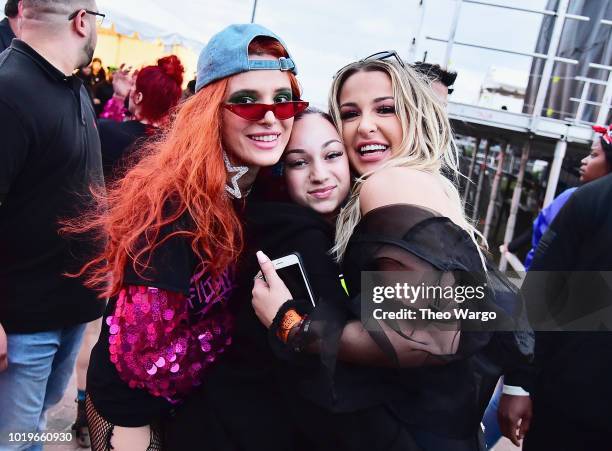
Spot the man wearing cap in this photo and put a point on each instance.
(49, 159)
(9, 25)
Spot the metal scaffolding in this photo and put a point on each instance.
(525, 129)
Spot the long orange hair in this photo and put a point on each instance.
(181, 171)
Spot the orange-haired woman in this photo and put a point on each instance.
(173, 235)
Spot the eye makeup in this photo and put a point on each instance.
(244, 96)
(283, 95)
(252, 96)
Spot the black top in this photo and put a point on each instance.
(117, 140)
(448, 399)
(573, 368)
(102, 90)
(253, 388)
(6, 34)
(278, 229)
(171, 267)
(174, 267)
(50, 156)
(251, 391)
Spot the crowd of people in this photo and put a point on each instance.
(138, 229)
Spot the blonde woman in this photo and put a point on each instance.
(404, 224)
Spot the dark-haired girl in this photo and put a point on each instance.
(423, 383)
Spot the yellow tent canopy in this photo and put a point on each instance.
(115, 49)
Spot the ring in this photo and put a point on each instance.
(259, 276)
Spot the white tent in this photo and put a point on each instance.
(322, 35)
(189, 23)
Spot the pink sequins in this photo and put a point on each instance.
(160, 362)
(159, 343)
(168, 314)
(206, 336)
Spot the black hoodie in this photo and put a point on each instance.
(251, 395)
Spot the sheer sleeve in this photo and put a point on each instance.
(426, 253)
(154, 345)
(389, 342)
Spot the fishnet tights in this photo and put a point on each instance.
(101, 431)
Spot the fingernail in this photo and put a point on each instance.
(261, 257)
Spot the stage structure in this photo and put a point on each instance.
(531, 131)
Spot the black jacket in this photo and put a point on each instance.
(6, 34)
(568, 280)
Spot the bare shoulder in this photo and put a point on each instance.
(401, 185)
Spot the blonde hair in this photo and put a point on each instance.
(427, 141)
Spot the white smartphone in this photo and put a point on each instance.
(291, 270)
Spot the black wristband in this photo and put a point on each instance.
(298, 340)
(292, 304)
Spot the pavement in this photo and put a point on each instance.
(61, 417)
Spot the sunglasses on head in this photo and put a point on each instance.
(378, 56)
(383, 56)
(257, 111)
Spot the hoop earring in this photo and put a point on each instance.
(234, 190)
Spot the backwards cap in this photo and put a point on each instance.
(227, 53)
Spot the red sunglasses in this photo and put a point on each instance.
(257, 111)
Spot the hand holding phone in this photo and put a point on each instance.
(270, 294)
(291, 271)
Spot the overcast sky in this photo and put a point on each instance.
(324, 35)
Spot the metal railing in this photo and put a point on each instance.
(550, 58)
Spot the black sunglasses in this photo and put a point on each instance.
(378, 56)
(99, 16)
(383, 56)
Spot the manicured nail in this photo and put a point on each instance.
(261, 257)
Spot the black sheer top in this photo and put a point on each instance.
(441, 274)
(440, 373)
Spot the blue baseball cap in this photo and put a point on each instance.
(227, 53)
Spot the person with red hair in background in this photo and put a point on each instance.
(153, 92)
(173, 233)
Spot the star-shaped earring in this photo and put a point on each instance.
(234, 190)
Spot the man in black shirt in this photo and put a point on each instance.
(8, 25)
(49, 158)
